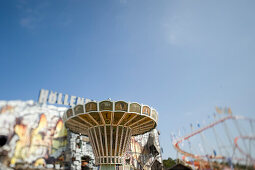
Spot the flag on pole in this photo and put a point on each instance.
(219, 110)
(229, 111)
(226, 110)
(214, 152)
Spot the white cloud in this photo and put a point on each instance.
(180, 31)
(188, 114)
(185, 27)
(32, 15)
(27, 22)
(123, 1)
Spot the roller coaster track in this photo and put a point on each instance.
(204, 158)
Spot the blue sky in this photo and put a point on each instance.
(181, 57)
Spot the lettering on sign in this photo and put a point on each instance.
(47, 96)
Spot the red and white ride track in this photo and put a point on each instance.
(204, 158)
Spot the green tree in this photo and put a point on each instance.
(168, 163)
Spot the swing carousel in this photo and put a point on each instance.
(109, 126)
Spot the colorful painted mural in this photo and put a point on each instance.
(42, 142)
(35, 134)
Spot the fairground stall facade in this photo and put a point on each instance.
(89, 134)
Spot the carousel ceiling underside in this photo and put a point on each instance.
(140, 118)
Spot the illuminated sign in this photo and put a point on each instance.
(47, 96)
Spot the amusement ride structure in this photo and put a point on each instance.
(227, 142)
(109, 126)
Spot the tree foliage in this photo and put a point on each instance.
(168, 163)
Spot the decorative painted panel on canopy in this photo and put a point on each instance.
(146, 110)
(91, 106)
(135, 107)
(154, 115)
(105, 105)
(121, 106)
(69, 113)
(78, 109)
